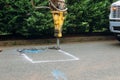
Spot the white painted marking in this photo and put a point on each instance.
(46, 61)
(26, 57)
(68, 54)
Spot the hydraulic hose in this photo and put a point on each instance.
(51, 3)
(63, 10)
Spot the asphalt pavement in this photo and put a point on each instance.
(95, 60)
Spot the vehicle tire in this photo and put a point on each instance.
(118, 37)
(0, 50)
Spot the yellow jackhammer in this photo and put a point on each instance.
(58, 10)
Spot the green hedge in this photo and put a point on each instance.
(18, 17)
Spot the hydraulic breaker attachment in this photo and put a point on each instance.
(58, 17)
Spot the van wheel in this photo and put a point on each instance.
(118, 37)
(0, 50)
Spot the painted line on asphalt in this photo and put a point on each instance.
(59, 75)
(26, 57)
(46, 61)
(66, 53)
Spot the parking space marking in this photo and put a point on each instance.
(46, 61)
(26, 57)
(66, 53)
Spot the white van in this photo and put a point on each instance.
(114, 18)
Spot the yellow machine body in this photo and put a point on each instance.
(58, 17)
(58, 10)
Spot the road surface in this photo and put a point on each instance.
(97, 60)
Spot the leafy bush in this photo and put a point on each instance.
(19, 17)
(13, 15)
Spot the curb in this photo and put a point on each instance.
(53, 40)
